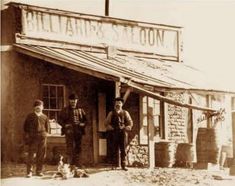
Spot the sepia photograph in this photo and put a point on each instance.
(117, 92)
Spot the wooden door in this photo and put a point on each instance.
(101, 131)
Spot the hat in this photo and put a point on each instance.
(119, 99)
(73, 96)
(37, 102)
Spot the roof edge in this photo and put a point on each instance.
(104, 17)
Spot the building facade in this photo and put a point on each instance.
(50, 54)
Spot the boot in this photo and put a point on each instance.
(124, 168)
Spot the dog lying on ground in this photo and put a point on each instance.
(65, 171)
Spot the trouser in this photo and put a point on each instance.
(73, 143)
(37, 145)
(119, 140)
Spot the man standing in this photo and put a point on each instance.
(118, 122)
(36, 127)
(73, 119)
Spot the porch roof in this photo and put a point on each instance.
(161, 75)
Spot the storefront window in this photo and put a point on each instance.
(53, 98)
(144, 121)
(150, 115)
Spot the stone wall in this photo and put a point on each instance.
(177, 119)
(137, 155)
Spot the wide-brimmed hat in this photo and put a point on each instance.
(119, 99)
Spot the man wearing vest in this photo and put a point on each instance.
(73, 119)
(118, 122)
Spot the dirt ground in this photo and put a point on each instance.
(14, 174)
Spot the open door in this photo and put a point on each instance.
(101, 130)
(151, 125)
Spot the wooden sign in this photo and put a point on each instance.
(101, 32)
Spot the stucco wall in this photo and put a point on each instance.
(21, 85)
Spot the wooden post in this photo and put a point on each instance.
(180, 46)
(95, 137)
(190, 123)
(232, 168)
(117, 89)
(151, 139)
(127, 93)
(106, 7)
(209, 119)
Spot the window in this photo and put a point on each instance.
(151, 113)
(144, 121)
(53, 98)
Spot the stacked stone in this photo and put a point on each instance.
(137, 155)
(177, 118)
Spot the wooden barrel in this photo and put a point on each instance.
(228, 149)
(184, 154)
(201, 145)
(164, 154)
(214, 145)
(208, 145)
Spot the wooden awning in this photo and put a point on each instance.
(133, 72)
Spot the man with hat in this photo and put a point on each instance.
(36, 127)
(73, 119)
(118, 122)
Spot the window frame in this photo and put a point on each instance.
(142, 115)
(56, 97)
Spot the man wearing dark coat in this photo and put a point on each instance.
(73, 121)
(36, 127)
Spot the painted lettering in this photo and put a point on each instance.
(100, 33)
(132, 35)
(51, 24)
(125, 34)
(60, 23)
(38, 22)
(87, 27)
(69, 28)
(151, 38)
(78, 27)
(30, 22)
(160, 37)
(143, 36)
(85, 30)
(115, 35)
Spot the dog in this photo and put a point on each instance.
(63, 170)
(80, 173)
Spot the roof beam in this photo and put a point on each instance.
(170, 101)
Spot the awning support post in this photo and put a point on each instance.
(209, 119)
(117, 89)
(151, 139)
(232, 168)
(127, 93)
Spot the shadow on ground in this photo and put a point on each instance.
(19, 170)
